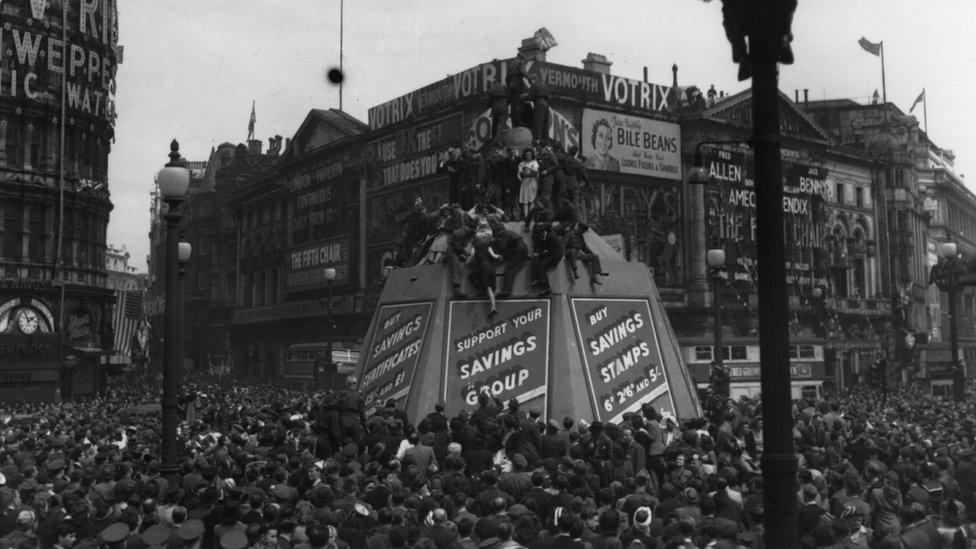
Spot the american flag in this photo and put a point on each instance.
(130, 315)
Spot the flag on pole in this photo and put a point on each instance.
(250, 123)
(869, 46)
(128, 319)
(544, 39)
(919, 99)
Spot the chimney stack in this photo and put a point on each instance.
(796, 95)
(254, 146)
(531, 51)
(806, 96)
(597, 63)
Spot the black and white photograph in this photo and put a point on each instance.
(364, 274)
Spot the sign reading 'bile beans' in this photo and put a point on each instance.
(622, 356)
(507, 355)
(393, 353)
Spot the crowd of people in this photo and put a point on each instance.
(261, 466)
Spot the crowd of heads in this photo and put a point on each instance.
(263, 466)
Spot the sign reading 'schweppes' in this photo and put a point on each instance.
(392, 355)
(622, 356)
(508, 355)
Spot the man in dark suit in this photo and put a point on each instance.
(564, 539)
(436, 530)
(514, 251)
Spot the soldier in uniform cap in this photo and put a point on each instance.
(190, 533)
(114, 535)
(156, 535)
(235, 539)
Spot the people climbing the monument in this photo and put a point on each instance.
(518, 93)
(539, 95)
(483, 262)
(498, 100)
(549, 172)
(575, 180)
(514, 254)
(578, 250)
(548, 247)
(528, 171)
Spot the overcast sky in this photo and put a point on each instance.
(192, 68)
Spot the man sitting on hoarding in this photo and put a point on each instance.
(514, 252)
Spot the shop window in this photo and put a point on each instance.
(12, 145)
(37, 241)
(12, 221)
(736, 352)
(703, 352)
(802, 351)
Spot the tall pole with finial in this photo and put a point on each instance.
(342, 4)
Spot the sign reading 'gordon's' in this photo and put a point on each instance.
(393, 353)
(507, 355)
(622, 356)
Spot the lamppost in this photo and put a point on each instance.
(759, 32)
(173, 181)
(183, 255)
(947, 275)
(718, 377)
(330, 378)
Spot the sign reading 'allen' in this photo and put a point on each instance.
(507, 357)
(393, 353)
(622, 356)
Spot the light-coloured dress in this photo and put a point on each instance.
(530, 184)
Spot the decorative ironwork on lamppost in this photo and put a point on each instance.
(172, 181)
(326, 377)
(184, 251)
(950, 275)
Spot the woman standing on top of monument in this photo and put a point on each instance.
(528, 171)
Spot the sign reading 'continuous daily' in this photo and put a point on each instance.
(621, 355)
(507, 356)
(392, 355)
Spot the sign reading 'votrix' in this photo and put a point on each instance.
(622, 356)
(393, 353)
(507, 356)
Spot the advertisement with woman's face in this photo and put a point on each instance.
(616, 142)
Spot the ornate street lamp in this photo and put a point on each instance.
(328, 375)
(172, 181)
(948, 276)
(716, 261)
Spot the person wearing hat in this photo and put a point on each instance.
(114, 535)
(158, 535)
(352, 412)
(553, 444)
(234, 539)
(516, 482)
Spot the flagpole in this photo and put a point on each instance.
(884, 89)
(341, 10)
(925, 110)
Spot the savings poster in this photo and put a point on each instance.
(393, 353)
(621, 355)
(507, 355)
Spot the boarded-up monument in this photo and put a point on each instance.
(593, 352)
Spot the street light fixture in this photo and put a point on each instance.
(946, 275)
(716, 261)
(330, 370)
(172, 181)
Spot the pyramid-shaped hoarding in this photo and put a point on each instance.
(585, 352)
